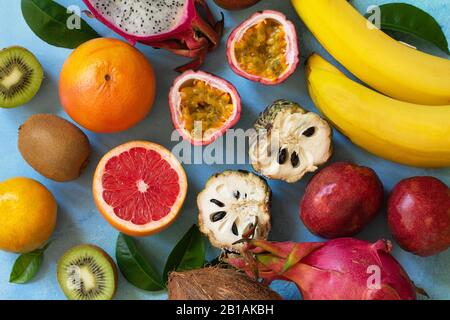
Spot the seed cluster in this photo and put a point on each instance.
(283, 153)
(262, 49)
(78, 283)
(205, 104)
(142, 17)
(219, 215)
(21, 86)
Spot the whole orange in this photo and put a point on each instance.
(28, 214)
(106, 85)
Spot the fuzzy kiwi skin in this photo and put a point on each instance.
(235, 4)
(217, 284)
(54, 147)
(99, 250)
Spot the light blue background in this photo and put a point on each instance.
(79, 220)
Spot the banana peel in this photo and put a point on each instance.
(385, 64)
(406, 133)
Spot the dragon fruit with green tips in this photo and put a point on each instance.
(185, 27)
(340, 269)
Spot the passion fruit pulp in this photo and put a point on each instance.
(203, 106)
(264, 48)
(202, 103)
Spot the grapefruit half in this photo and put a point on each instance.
(139, 188)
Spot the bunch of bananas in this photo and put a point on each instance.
(409, 120)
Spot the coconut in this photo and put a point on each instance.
(217, 284)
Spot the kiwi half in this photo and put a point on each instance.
(21, 76)
(86, 272)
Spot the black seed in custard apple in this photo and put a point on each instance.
(21, 76)
(54, 147)
(86, 272)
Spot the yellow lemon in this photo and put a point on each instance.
(27, 215)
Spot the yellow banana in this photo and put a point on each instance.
(411, 134)
(377, 59)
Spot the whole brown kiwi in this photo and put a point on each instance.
(217, 284)
(235, 4)
(54, 147)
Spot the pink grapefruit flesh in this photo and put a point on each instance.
(139, 188)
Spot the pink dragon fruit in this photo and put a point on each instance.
(175, 25)
(340, 269)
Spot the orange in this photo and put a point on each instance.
(139, 188)
(106, 85)
(27, 214)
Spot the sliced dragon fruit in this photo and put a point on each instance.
(203, 106)
(174, 25)
(264, 48)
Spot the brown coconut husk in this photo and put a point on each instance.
(217, 284)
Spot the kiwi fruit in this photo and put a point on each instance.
(21, 76)
(86, 272)
(54, 147)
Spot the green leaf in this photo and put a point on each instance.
(49, 21)
(135, 267)
(27, 266)
(408, 19)
(188, 254)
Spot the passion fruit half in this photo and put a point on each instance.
(203, 106)
(264, 48)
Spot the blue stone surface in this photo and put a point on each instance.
(80, 222)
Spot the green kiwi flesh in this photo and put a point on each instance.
(86, 272)
(21, 76)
